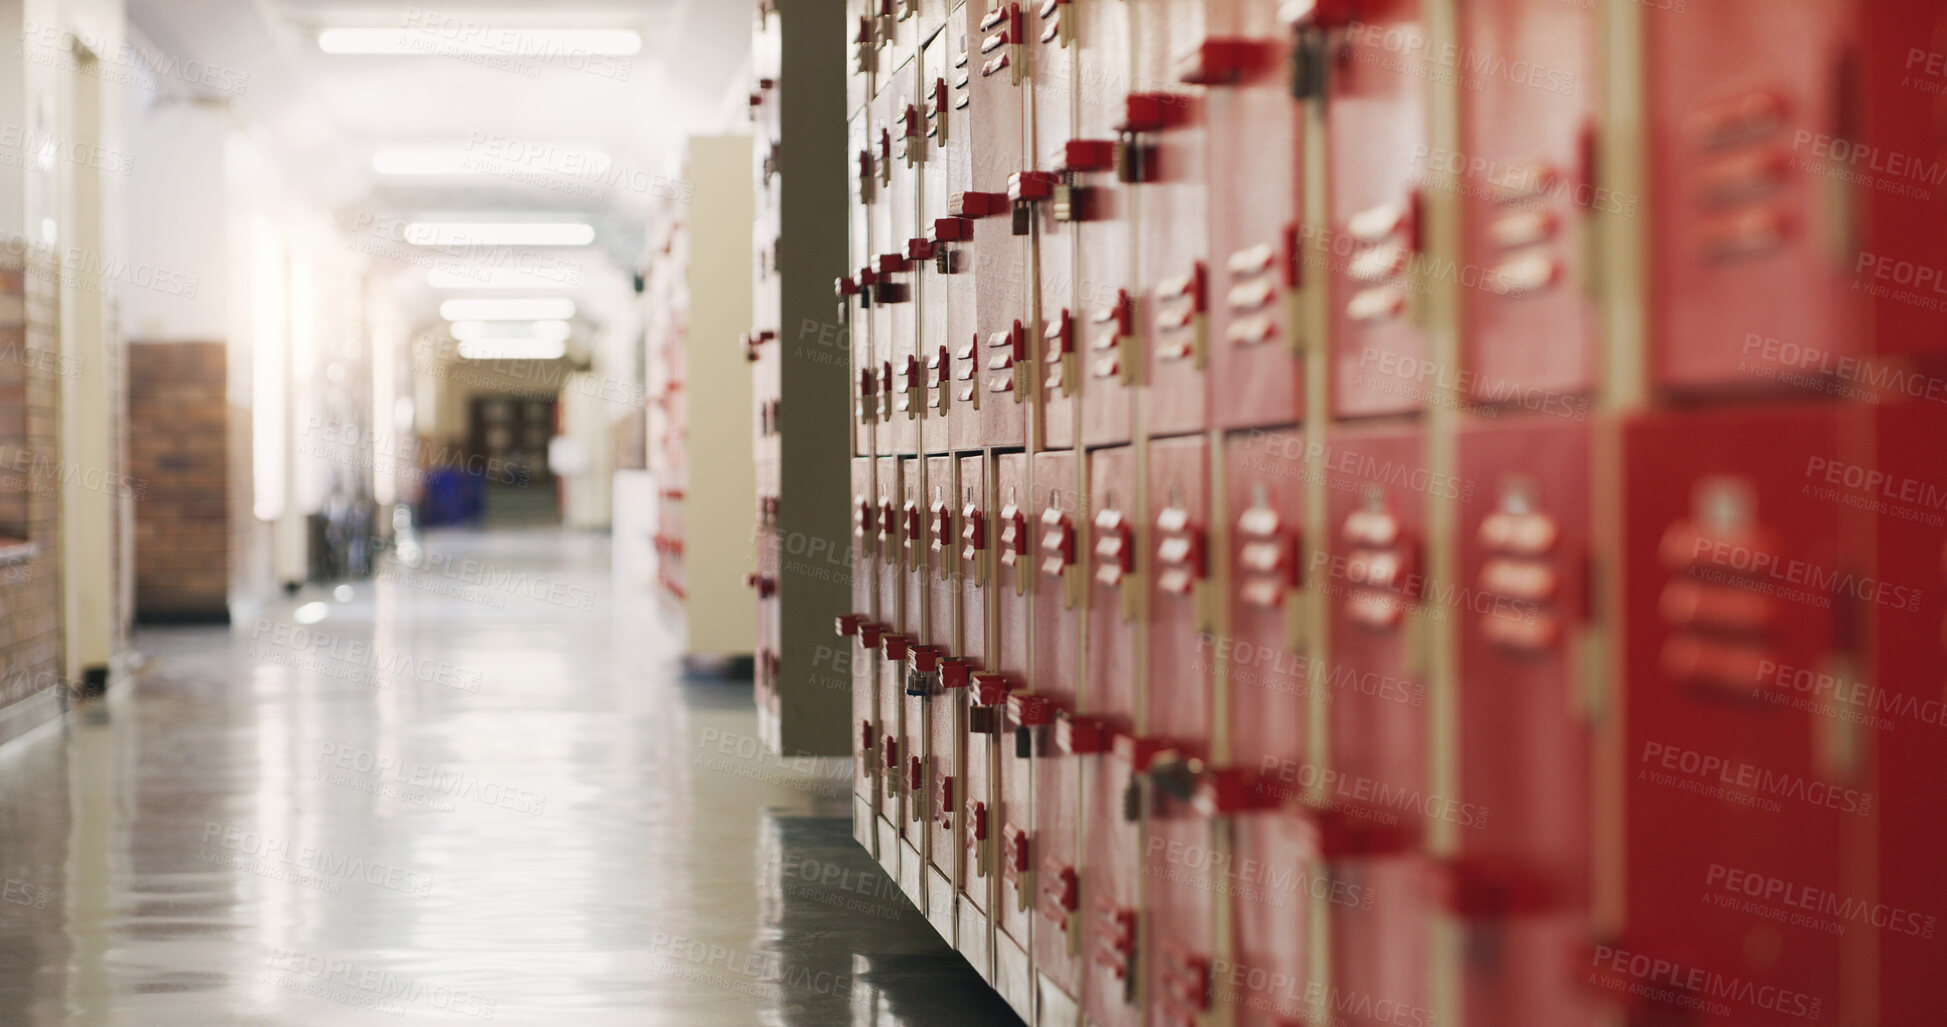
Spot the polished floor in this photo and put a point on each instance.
(476, 791)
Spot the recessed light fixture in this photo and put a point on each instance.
(513, 349)
(479, 331)
(540, 44)
(507, 310)
(500, 233)
(560, 160)
(493, 278)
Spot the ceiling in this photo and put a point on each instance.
(328, 114)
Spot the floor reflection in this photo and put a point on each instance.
(476, 790)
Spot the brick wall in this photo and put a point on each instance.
(182, 523)
(30, 375)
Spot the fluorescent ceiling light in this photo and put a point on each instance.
(500, 233)
(480, 331)
(560, 160)
(507, 310)
(513, 349)
(492, 278)
(539, 44)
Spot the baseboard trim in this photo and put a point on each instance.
(36, 711)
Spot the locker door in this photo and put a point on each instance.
(996, 375)
(1901, 112)
(860, 627)
(1520, 882)
(1112, 835)
(1270, 678)
(941, 676)
(1906, 666)
(1255, 123)
(901, 137)
(1016, 519)
(1177, 949)
(1173, 51)
(1375, 130)
(1528, 316)
(764, 581)
(862, 22)
(904, 686)
(950, 277)
(898, 36)
(1102, 170)
(1743, 245)
(854, 288)
(893, 638)
(1733, 565)
(1048, 195)
(1059, 527)
(1369, 810)
(982, 735)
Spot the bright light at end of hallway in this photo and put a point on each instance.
(513, 349)
(445, 40)
(511, 233)
(562, 160)
(310, 613)
(507, 310)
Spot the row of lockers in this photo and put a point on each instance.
(1058, 205)
(1404, 511)
(1210, 755)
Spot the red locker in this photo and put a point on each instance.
(1059, 525)
(1907, 670)
(1375, 131)
(986, 710)
(1174, 60)
(994, 369)
(1904, 50)
(1519, 883)
(1101, 343)
(894, 299)
(1254, 121)
(1374, 798)
(1026, 717)
(1048, 195)
(1735, 582)
(1746, 243)
(1110, 752)
(1527, 193)
(1178, 950)
(1270, 678)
